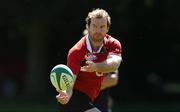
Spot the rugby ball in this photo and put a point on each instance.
(61, 77)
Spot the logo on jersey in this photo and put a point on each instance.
(91, 57)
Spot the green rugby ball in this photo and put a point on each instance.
(61, 77)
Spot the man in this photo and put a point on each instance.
(92, 56)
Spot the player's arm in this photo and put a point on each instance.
(111, 64)
(110, 80)
(73, 62)
(64, 96)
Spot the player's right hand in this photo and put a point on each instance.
(64, 96)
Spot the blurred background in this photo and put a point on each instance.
(35, 35)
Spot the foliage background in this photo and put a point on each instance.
(35, 35)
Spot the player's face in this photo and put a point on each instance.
(98, 29)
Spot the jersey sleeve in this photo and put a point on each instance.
(115, 48)
(74, 61)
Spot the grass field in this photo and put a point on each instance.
(147, 107)
(51, 106)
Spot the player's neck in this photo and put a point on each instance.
(96, 45)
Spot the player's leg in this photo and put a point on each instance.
(93, 110)
(101, 101)
(110, 103)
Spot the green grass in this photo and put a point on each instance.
(147, 107)
(27, 107)
(51, 106)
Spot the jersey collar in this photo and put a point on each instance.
(88, 45)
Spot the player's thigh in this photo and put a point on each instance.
(93, 110)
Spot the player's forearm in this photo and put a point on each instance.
(109, 82)
(111, 64)
(70, 90)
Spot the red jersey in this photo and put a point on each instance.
(89, 82)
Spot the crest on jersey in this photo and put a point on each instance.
(91, 57)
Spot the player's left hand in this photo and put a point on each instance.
(89, 67)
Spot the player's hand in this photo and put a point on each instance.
(64, 96)
(89, 67)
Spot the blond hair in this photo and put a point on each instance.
(98, 13)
